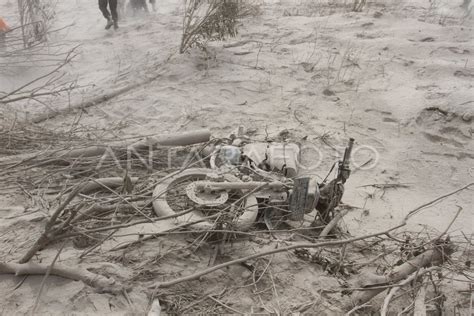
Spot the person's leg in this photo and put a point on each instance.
(105, 13)
(103, 9)
(113, 9)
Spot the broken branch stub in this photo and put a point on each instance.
(179, 139)
(99, 282)
(435, 256)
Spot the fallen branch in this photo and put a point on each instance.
(50, 233)
(419, 305)
(96, 210)
(329, 227)
(267, 253)
(391, 293)
(178, 139)
(97, 99)
(426, 258)
(119, 226)
(34, 95)
(99, 282)
(113, 182)
(88, 103)
(430, 257)
(386, 185)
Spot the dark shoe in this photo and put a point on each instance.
(115, 25)
(109, 24)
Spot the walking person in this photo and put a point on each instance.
(112, 16)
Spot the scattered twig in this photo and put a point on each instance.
(233, 310)
(69, 57)
(386, 185)
(267, 253)
(416, 210)
(49, 233)
(450, 224)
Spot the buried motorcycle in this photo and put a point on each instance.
(249, 183)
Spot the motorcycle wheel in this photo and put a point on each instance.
(170, 197)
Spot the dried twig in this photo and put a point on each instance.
(416, 210)
(233, 310)
(50, 233)
(386, 185)
(19, 92)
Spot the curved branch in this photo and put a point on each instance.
(96, 281)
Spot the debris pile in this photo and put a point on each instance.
(118, 200)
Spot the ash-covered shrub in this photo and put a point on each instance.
(212, 20)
